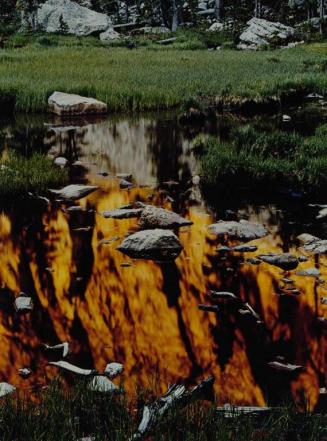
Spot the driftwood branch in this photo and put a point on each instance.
(177, 396)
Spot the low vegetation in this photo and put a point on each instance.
(152, 77)
(58, 415)
(253, 157)
(19, 175)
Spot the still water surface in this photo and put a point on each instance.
(141, 313)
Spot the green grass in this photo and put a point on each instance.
(19, 175)
(152, 77)
(278, 158)
(60, 415)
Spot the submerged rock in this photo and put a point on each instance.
(242, 230)
(153, 217)
(152, 244)
(313, 244)
(6, 389)
(67, 104)
(285, 261)
(245, 248)
(53, 15)
(74, 192)
(262, 32)
(309, 272)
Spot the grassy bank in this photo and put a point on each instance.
(154, 77)
(278, 159)
(61, 416)
(19, 175)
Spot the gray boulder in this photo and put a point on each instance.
(74, 191)
(53, 15)
(242, 230)
(152, 244)
(262, 32)
(67, 104)
(285, 261)
(153, 217)
(313, 244)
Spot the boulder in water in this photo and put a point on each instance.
(155, 244)
(154, 217)
(242, 230)
(286, 261)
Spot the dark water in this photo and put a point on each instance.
(143, 313)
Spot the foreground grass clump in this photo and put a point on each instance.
(154, 77)
(19, 175)
(279, 158)
(60, 415)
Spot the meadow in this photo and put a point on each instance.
(271, 159)
(152, 76)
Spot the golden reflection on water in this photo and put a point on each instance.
(146, 315)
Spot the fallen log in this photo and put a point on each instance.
(177, 396)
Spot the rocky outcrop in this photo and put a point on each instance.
(65, 16)
(242, 230)
(152, 244)
(153, 217)
(285, 261)
(67, 104)
(261, 32)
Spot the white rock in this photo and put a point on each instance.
(60, 161)
(77, 20)
(242, 230)
(286, 118)
(24, 372)
(23, 303)
(113, 369)
(313, 244)
(6, 388)
(308, 272)
(109, 35)
(62, 347)
(216, 27)
(67, 104)
(262, 32)
(74, 191)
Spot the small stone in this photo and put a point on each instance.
(309, 272)
(23, 303)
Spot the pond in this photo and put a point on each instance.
(143, 313)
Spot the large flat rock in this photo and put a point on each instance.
(67, 104)
(262, 32)
(154, 217)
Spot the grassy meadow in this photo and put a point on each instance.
(152, 76)
(253, 157)
(61, 415)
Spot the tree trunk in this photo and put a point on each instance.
(257, 8)
(175, 16)
(219, 7)
(321, 14)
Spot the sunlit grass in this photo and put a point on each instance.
(145, 78)
(19, 175)
(278, 158)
